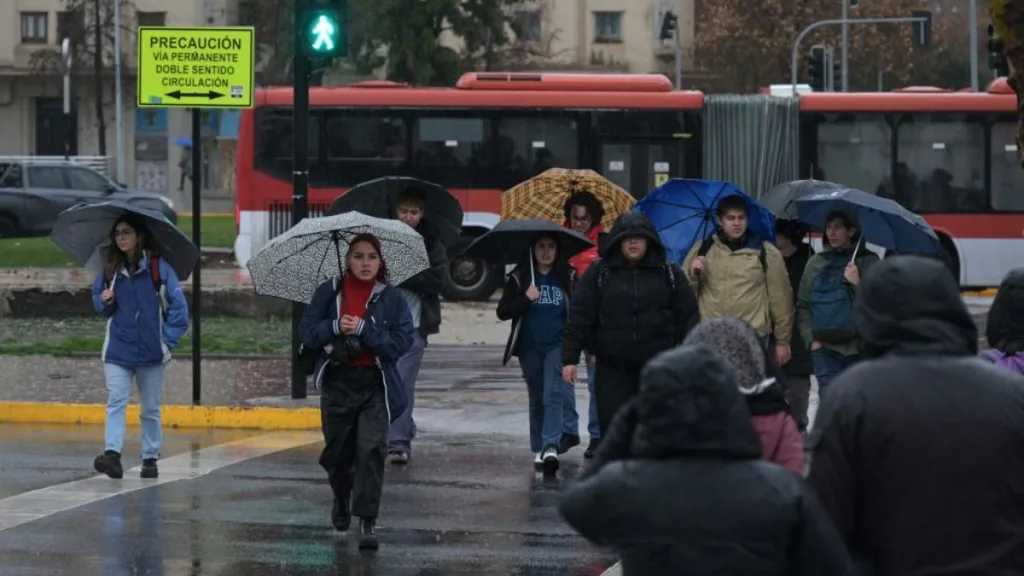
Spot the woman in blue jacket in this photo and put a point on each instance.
(361, 327)
(536, 299)
(147, 315)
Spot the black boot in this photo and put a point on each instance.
(368, 534)
(591, 448)
(109, 463)
(341, 516)
(149, 469)
(568, 442)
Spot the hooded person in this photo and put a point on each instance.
(627, 308)
(1005, 327)
(678, 485)
(739, 345)
(918, 450)
(824, 302)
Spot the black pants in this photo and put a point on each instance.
(354, 418)
(798, 394)
(613, 387)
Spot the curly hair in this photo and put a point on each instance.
(586, 199)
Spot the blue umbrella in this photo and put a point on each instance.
(183, 141)
(881, 221)
(683, 213)
(83, 228)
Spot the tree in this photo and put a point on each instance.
(89, 25)
(275, 37)
(752, 48)
(1008, 21)
(408, 38)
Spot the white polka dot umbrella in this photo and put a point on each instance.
(292, 265)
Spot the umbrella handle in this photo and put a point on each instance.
(533, 280)
(113, 281)
(855, 250)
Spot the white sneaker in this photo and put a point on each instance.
(538, 462)
(549, 460)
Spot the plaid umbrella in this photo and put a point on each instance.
(543, 196)
(295, 263)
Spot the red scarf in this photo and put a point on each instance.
(584, 259)
(354, 297)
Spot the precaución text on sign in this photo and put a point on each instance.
(196, 67)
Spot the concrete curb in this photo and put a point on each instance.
(229, 417)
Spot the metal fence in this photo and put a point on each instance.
(280, 214)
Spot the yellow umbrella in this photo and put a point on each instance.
(543, 196)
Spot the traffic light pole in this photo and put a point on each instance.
(794, 64)
(300, 177)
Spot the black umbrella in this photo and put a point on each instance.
(379, 198)
(83, 228)
(781, 198)
(511, 240)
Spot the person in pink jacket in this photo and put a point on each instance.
(736, 342)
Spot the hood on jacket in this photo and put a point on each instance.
(689, 405)
(857, 238)
(634, 224)
(736, 342)
(911, 306)
(1005, 329)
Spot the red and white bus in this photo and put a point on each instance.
(950, 156)
(490, 132)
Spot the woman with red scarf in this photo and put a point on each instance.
(584, 213)
(362, 327)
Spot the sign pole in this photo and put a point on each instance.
(197, 239)
(300, 180)
(66, 60)
(196, 68)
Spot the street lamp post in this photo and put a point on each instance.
(65, 60)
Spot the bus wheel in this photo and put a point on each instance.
(949, 256)
(469, 279)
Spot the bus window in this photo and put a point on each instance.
(855, 151)
(454, 151)
(1007, 177)
(273, 149)
(531, 145)
(362, 145)
(942, 158)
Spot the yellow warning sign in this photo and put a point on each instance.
(660, 179)
(196, 67)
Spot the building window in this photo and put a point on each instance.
(70, 25)
(608, 27)
(151, 18)
(528, 25)
(33, 27)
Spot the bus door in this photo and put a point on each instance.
(641, 150)
(640, 165)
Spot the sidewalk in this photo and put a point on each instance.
(64, 278)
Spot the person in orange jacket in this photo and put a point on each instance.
(584, 213)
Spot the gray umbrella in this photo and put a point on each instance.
(292, 265)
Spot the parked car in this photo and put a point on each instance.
(32, 194)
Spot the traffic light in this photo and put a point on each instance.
(324, 29)
(815, 65)
(669, 23)
(996, 57)
(837, 75)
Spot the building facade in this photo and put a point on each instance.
(32, 116)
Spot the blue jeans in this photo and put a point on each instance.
(828, 365)
(542, 371)
(150, 380)
(403, 429)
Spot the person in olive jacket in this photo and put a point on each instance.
(627, 307)
(678, 485)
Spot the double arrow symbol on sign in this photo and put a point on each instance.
(178, 95)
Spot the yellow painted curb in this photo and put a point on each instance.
(259, 418)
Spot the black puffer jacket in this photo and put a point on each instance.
(918, 451)
(1005, 326)
(800, 363)
(429, 284)
(677, 485)
(639, 311)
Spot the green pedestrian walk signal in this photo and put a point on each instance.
(325, 29)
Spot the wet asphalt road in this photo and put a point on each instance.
(468, 504)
